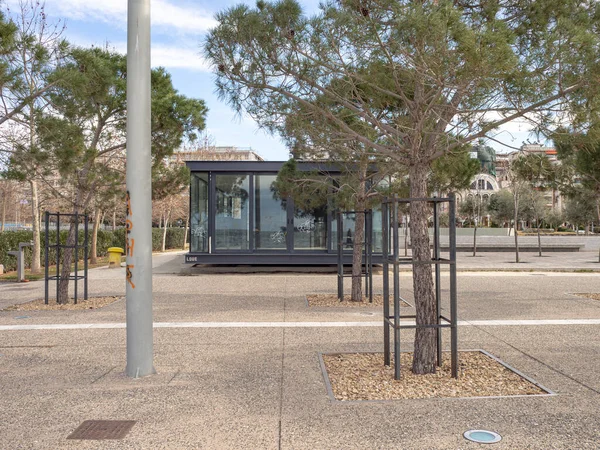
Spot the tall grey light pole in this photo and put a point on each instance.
(139, 201)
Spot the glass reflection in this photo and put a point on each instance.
(232, 220)
(199, 213)
(310, 229)
(270, 216)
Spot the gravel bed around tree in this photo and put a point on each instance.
(362, 376)
(39, 305)
(593, 296)
(331, 300)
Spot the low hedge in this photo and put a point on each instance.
(174, 238)
(9, 241)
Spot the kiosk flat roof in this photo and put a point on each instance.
(257, 166)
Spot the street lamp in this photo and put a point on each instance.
(140, 347)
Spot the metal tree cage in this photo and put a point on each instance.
(391, 256)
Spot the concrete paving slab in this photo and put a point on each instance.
(263, 387)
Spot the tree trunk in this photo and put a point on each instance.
(425, 338)
(35, 210)
(3, 213)
(187, 228)
(114, 224)
(65, 272)
(357, 256)
(94, 249)
(539, 238)
(475, 240)
(164, 239)
(406, 236)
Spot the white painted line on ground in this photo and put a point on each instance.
(115, 325)
(492, 323)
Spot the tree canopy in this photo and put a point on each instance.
(459, 69)
(422, 78)
(83, 137)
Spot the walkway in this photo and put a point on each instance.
(237, 364)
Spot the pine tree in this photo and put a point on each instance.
(437, 75)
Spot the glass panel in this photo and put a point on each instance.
(232, 224)
(199, 213)
(377, 230)
(270, 216)
(349, 222)
(310, 229)
(349, 228)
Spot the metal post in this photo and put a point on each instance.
(139, 188)
(85, 258)
(385, 215)
(340, 255)
(46, 260)
(57, 253)
(438, 289)
(370, 255)
(76, 255)
(453, 311)
(366, 252)
(396, 290)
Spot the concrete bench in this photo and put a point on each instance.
(20, 255)
(550, 248)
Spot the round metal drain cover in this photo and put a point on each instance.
(482, 436)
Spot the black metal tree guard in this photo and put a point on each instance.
(367, 254)
(58, 246)
(390, 209)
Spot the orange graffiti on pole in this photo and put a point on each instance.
(128, 200)
(129, 242)
(130, 275)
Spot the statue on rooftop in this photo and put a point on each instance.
(487, 158)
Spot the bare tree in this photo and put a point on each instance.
(38, 50)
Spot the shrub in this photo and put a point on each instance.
(9, 241)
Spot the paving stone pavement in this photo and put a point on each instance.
(262, 388)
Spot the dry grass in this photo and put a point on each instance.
(331, 300)
(39, 305)
(362, 376)
(593, 296)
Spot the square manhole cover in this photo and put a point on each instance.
(102, 429)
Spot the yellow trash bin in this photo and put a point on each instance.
(114, 257)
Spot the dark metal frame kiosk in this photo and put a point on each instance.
(235, 218)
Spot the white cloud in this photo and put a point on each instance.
(178, 57)
(183, 18)
(164, 55)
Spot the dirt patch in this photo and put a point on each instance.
(589, 295)
(362, 376)
(331, 300)
(39, 305)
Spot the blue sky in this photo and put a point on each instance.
(178, 30)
